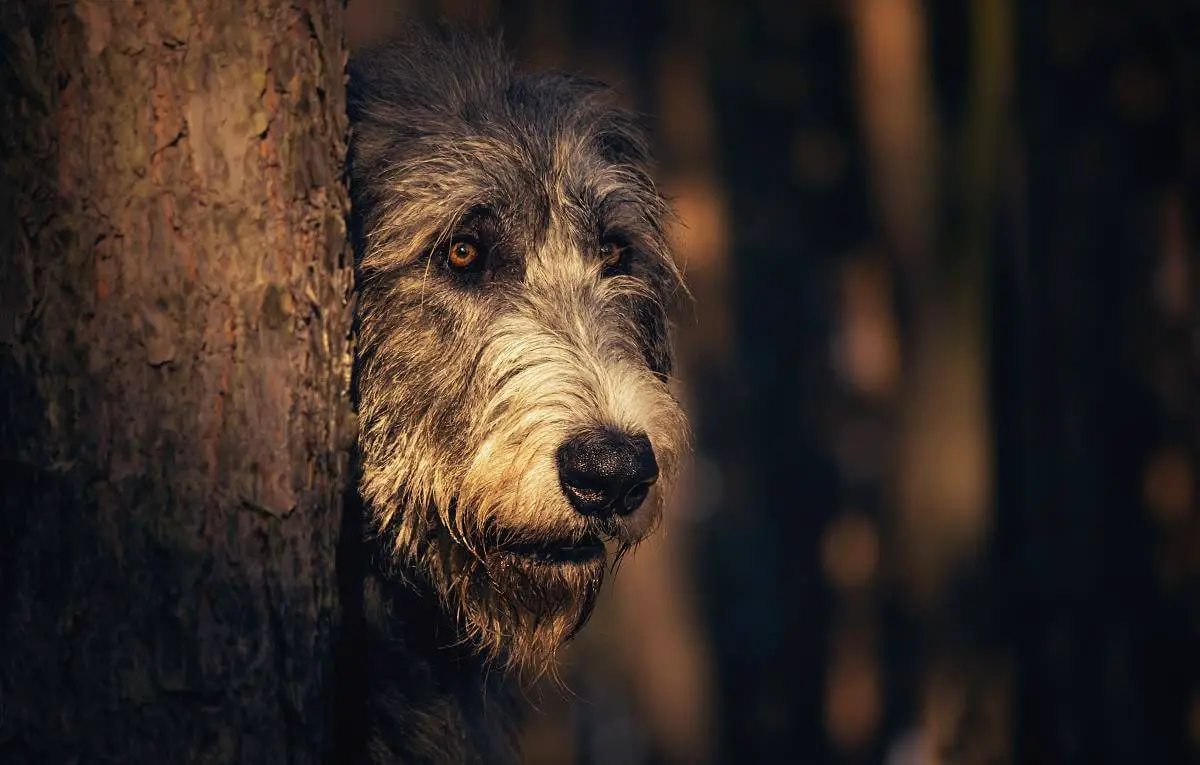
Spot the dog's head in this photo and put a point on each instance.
(514, 348)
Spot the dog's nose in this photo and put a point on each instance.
(604, 473)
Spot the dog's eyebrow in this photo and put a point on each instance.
(603, 200)
(478, 212)
(620, 213)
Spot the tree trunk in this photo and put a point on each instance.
(174, 369)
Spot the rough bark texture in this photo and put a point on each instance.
(173, 378)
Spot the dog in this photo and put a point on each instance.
(518, 434)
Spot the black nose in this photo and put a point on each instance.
(605, 473)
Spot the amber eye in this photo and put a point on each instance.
(463, 254)
(612, 256)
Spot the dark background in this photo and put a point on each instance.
(942, 365)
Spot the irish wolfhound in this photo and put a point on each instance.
(514, 351)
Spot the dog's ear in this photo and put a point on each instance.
(618, 133)
(622, 140)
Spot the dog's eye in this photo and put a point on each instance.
(612, 258)
(464, 255)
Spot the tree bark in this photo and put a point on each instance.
(174, 374)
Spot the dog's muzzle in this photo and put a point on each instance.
(605, 474)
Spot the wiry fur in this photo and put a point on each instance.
(469, 384)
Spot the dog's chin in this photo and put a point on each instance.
(530, 598)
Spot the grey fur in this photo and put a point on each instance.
(467, 383)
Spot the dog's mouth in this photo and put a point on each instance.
(586, 550)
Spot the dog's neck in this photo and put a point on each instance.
(433, 698)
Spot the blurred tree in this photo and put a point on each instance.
(174, 372)
(1088, 392)
(798, 670)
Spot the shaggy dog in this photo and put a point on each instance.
(517, 430)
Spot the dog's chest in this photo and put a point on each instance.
(430, 702)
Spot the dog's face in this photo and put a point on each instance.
(514, 345)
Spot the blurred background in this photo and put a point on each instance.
(942, 366)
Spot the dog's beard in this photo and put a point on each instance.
(515, 608)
